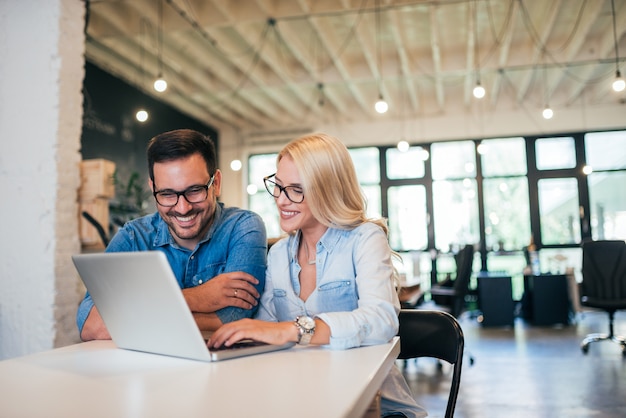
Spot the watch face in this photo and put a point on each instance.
(306, 322)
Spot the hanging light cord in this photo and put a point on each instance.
(615, 37)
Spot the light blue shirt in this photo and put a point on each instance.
(236, 241)
(355, 293)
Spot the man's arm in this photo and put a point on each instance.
(94, 328)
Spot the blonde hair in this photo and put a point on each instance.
(330, 183)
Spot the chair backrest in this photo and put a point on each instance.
(604, 270)
(464, 261)
(435, 334)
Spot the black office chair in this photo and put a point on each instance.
(452, 298)
(435, 334)
(604, 285)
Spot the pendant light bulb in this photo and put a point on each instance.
(479, 91)
(619, 84)
(160, 84)
(381, 105)
(547, 113)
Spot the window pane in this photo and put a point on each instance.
(372, 196)
(367, 164)
(452, 160)
(558, 211)
(406, 165)
(503, 157)
(608, 208)
(407, 218)
(260, 166)
(555, 153)
(456, 213)
(415, 268)
(507, 218)
(606, 150)
(261, 202)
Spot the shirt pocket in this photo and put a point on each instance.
(337, 296)
(286, 307)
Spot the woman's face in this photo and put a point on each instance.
(293, 216)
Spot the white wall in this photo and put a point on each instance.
(41, 74)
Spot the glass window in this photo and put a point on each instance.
(367, 164)
(408, 219)
(453, 160)
(555, 153)
(415, 268)
(606, 150)
(503, 157)
(373, 201)
(456, 213)
(559, 211)
(607, 208)
(259, 200)
(507, 216)
(406, 165)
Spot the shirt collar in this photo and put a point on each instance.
(328, 241)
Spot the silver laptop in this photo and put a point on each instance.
(143, 307)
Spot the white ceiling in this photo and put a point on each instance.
(263, 65)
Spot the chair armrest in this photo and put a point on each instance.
(443, 291)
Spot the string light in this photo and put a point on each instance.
(403, 146)
(619, 84)
(479, 91)
(381, 105)
(235, 165)
(547, 113)
(160, 84)
(142, 115)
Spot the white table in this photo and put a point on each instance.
(96, 379)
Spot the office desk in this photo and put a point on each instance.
(546, 299)
(96, 379)
(495, 299)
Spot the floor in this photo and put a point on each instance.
(528, 371)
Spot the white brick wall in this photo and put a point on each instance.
(41, 73)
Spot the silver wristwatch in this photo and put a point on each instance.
(306, 329)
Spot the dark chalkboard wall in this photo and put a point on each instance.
(111, 131)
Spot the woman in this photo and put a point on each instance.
(331, 281)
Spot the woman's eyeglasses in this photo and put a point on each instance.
(293, 193)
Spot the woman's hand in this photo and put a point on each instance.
(253, 329)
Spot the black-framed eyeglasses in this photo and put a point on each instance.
(293, 193)
(193, 194)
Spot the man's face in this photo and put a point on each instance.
(188, 222)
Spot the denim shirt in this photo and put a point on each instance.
(354, 294)
(236, 241)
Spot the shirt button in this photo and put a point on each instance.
(192, 257)
(199, 281)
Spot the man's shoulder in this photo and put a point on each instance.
(234, 213)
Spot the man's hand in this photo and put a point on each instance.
(229, 289)
(94, 328)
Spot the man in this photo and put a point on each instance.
(218, 254)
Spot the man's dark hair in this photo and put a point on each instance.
(180, 143)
